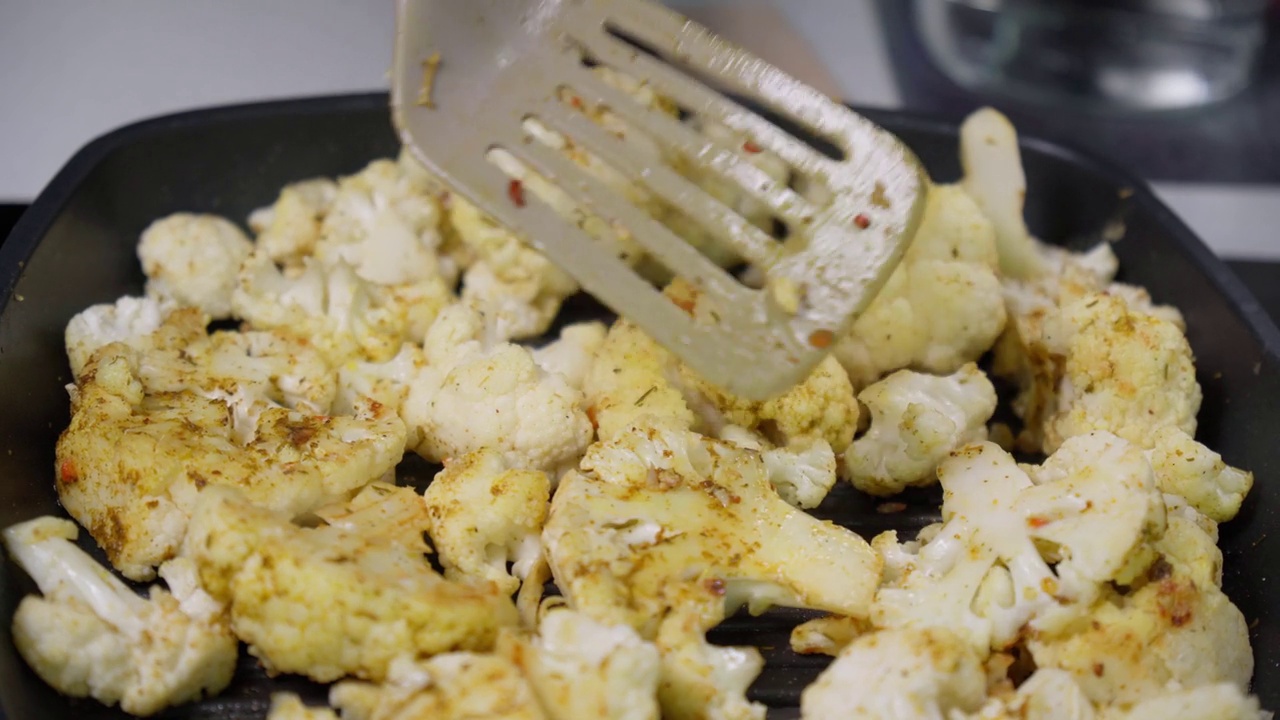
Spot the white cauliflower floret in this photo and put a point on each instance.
(803, 472)
(581, 668)
(1219, 701)
(1048, 694)
(193, 260)
(453, 686)
(1188, 469)
(287, 706)
(495, 397)
(916, 421)
(90, 635)
(509, 280)
(483, 514)
(132, 463)
(985, 573)
(898, 674)
(288, 229)
(994, 178)
(128, 320)
(573, 352)
(667, 531)
(344, 598)
(941, 306)
(384, 223)
(342, 315)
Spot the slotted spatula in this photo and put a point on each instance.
(468, 74)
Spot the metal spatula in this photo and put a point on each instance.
(469, 74)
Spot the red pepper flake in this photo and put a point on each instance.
(862, 221)
(822, 338)
(751, 147)
(576, 102)
(1036, 521)
(515, 191)
(67, 472)
(716, 586)
(591, 415)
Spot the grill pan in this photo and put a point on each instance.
(75, 247)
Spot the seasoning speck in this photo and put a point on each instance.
(822, 338)
(515, 191)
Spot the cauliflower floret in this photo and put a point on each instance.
(667, 531)
(660, 509)
(630, 379)
(343, 316)
(1186, 468)
(581, 668)
(1125, 372)
(288, 229)
(510, 281)
(345, 598)
(132, 464)
(483, 514)
(827, 635)
(287, 706)
(573, 352)
(375, 389)
(453, 686)
(634, 376)
(1048, 694)
(1089, 355)
(384, 223)
(898, 674)
(941, 306)
(1173, 626)
(90, 635)
(916, 421)
(994, 178)
(129, 320)
(803, 472)
(985, 573)
(249, 371)
(193, 260)
(701, 680)
(1219, 701)
(493, 397)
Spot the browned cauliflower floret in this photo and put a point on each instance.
(345, 598)
(667, 531)
(453, 686)
(132, 464)
(633, 376)
(483, 513)
(1174, 626)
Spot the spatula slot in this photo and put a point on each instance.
(750, 101)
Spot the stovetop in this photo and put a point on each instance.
(1259, 276)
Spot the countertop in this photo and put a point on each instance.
(74, 70)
